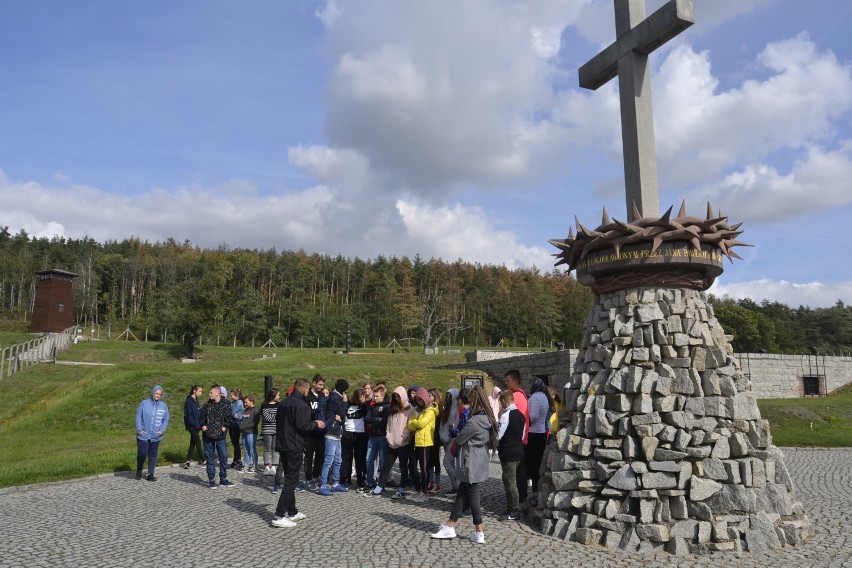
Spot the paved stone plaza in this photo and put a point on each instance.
(114, 520)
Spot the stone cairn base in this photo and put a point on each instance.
(665, 447)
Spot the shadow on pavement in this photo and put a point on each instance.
(407, 521)
(259, 509)
(189, 478)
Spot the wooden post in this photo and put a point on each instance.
(2, 361)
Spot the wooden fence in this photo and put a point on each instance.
(39, 350)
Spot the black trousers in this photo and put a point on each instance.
(403, 453)
(314, 455)
(292, 461)
(235, 435)
(468, 497)
(353, 446)
(435, 463)
(194, 444)
(536, 444)
(421, 455)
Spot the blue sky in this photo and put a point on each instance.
(451, 130)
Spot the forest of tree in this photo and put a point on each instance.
(297, 298)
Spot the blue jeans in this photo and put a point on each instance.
(331, 462)
(376, 448)
(250, 446)
(211, 449)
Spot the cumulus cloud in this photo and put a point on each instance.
(233, 213)
(727, 146)
(452, 232)
(811, 294)
(702, 133)
(439, 99)
(316, 219)
(818, 181)
(596, 22)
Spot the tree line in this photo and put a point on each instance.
(182, 292)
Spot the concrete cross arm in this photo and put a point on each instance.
(661, 26)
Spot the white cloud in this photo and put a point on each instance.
(812, 294)
(702, 133)
(232, 213)
(437, 98)
(451, 232)
(596, 21)
(328, 13)
(350, 219)
(758, 192)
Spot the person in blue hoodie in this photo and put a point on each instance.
(152, 419)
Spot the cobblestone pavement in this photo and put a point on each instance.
(115, 520)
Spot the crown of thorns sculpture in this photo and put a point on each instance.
(714, 230)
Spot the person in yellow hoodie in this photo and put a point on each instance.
(422, 423)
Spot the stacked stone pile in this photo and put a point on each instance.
(665, 445)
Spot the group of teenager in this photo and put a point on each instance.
(333, 441)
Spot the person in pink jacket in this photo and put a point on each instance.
(399, 439)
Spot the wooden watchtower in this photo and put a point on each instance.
(54, 301)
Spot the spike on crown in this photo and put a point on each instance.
(714, 231)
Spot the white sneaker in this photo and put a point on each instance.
(446, 532)
(296, 517)
(282, 522)
(477, 537)
(422, 498)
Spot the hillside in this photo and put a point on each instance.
(64, 421)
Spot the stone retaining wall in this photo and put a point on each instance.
(772, 375)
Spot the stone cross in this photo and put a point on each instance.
(637, 37)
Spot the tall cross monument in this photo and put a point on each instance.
(627, 58)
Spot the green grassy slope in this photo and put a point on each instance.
(811, 422)
(61, 421)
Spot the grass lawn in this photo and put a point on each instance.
(62, 421)
(811, 422)
(9, 338)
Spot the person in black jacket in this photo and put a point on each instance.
(377, 444)
(293, 426)
(511, 450)
(315, 448)
(192, 423)
(215, 418)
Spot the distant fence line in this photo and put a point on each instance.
(45, 348)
